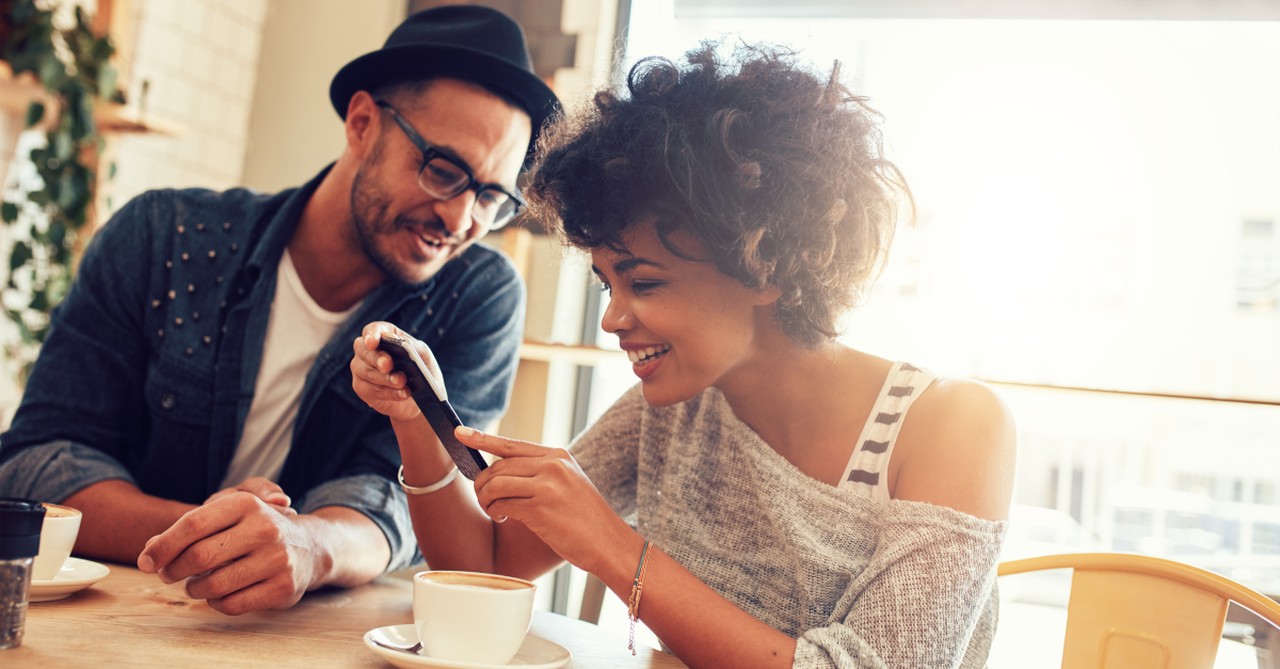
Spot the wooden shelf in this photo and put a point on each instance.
(17, 93)
(116, 118)
(576, 353)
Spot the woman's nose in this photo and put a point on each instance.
(617, 316)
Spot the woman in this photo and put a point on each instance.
(762, 498)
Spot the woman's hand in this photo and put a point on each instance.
(373, 376)
(545, 490)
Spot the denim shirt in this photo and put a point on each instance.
(149, 368)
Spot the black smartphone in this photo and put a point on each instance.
(424, 389)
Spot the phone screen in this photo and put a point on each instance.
(424, 389)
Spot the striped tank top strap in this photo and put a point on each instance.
(868, 467)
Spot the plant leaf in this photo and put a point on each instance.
(19, 256)
(35, 112)
(40, 299)
(52, 73)
(106, 80)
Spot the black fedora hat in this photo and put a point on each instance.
(467, 42)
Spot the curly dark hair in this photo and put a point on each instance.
(778, 172)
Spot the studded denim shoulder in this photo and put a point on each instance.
(152, 357)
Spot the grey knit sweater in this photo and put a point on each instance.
(860, 583)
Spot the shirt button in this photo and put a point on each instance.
(167, 401)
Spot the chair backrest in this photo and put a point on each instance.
(1131, 611)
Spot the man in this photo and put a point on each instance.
(193, 398)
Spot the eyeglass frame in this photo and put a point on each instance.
(430, 153)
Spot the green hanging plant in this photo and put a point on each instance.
(45, 214)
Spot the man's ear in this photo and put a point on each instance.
(363, 122)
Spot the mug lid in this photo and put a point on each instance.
(20, 521)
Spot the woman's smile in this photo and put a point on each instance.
(645, 360)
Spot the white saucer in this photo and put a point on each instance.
(75, 575)
(534, 653)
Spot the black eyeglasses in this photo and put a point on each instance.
(445, 177)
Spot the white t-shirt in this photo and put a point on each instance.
(297, 329)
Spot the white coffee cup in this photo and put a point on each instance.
(471, 617)
(57, 538)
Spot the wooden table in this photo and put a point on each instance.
(132, 619)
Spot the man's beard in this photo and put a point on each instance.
(369, 207)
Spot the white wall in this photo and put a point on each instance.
(198, 62)
(246, 82)
(293, 130)
(245, 85)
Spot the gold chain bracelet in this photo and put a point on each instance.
(633, 603)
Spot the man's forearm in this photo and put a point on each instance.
(119, 519)
(355, 548)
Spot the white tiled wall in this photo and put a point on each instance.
(198, 60)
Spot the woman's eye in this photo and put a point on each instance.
(640, 287)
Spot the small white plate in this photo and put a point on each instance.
(75, 575)
(534, 653)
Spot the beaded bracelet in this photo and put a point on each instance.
(633, 603)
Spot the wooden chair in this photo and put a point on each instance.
(1131, 611)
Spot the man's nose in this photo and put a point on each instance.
(455, 213)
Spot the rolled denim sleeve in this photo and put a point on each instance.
(54, 471)
(381, 501)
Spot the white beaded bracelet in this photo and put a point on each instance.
(425, 489)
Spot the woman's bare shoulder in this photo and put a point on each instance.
(957, 448)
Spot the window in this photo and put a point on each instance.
(1096, 237)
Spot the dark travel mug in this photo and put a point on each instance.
(20, 522)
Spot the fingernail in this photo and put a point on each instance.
(145, 563)
(401, 393)
(500, 519)
(465, 431)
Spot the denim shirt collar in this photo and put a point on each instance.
(278, 232)
(261, 269)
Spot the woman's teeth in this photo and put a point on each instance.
(647, 354)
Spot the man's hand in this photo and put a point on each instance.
(239, 552)
(264, 489)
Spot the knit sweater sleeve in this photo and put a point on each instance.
(925, 600)
(861, 585)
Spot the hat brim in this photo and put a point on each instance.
(405, 63)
